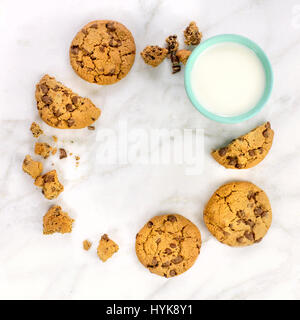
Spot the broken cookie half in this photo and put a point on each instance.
(51, 187)
(62, 108)
(246, 151)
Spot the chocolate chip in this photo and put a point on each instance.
(268, 125)
(74, 99)
(80, 63)
(62, 153)
(258, 211)
(177, 260)
(223, 151)
(238, 166)
(264, 214)
(91, 128)
(176, 68)
(94, 26)
(251, 153)
(115, 43)
(105, 237)
(70, 122)
(159, 231)
(110, 26)
(249, 235)
(84, 31)
(154, 262)
(49, 178)
(44, 88)
(250, 223)
(74, 49)
(158, 240)
(173, 273)
(172, 218)
(240, 213)
(46, 99)
(149, 224)
(69, 107)
(168, 251)
(179, 238)
(166, 264)
(173, 245)
(260, 150)
(266, 133)
(232, 161)
(57, 113)
(258, 240)
(240, 239)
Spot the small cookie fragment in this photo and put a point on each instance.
(192, 34)
(55, 220)
(62, 108)
(238, 214)
(62, 153)
(91, 128)
(248, 150)
(102, 52)
(168, 245)
(86, 245)
(172, 44)
(33, 168)
(154, 55)
(183, 55)
(106, 248)
(50, 184)
(36, 130)
(43, 149)
(54, 138)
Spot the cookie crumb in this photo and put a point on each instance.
(54, 151)
(54, 138)
(86, 245)
(42, 149)
(36, 130)
(51, 187)
(154, 55)
(183, 55)
(192, 34)
(62, 153)
(57, 221)
(106, 248)
(77, 158)
(91, 128)
(31, 167)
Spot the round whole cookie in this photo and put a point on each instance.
(238, 214)
(102, 52)
(168, 245)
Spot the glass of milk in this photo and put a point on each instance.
(228, 78)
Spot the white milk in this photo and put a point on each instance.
(228, 79)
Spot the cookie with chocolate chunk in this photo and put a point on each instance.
(102, 52)
(55, 220)
(51, 187)
(168, 245)
(62, 108)
(192, 34)
(238, 214)
(31, 167)
(43, 149)
(248, 150)
(154, 55)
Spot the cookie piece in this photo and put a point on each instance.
(183, 55)
(61, 108)
(62, 153)
(154, 55)
(36, 130)
(43, 149)
(55, 220)
(106, 248)
(192, 34)
(168, 245)
(33, 168)
(248, 150)
(238, 214)
(50, 184)
(86, 245)
(102, 52)
(172, 44)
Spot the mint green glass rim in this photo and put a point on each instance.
(221, 39)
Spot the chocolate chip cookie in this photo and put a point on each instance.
(61, 108)
(168, 245)
(192, 34)
(154, 55)
(248, 150)
(238, 214)
(55, 220)
(102, 52)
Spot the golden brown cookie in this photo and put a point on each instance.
(33, 168)
(183, 55)
(51, 187)
(43, 149)
(55, 220)
(36, 130)
(168, 245)
(102, 52)
(86, 245)
(238, 214)
(106, 248)
(192, 34)
(154, 55)
(248, 150)
(61, 108)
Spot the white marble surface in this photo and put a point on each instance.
(119, 199)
